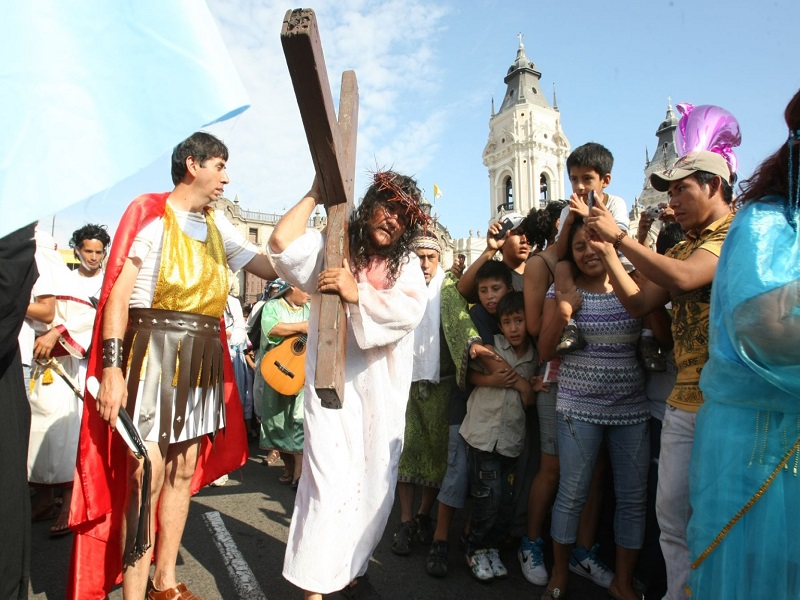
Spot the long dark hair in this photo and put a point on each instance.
(577, 225)
(772, 176)
(376, 198)
(540, 224)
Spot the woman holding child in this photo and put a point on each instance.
(600, 399)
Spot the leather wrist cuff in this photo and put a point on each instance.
(112, 353)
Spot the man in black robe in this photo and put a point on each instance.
(17, 275)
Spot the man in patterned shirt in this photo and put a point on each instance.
(700, 192)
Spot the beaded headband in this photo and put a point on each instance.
(425, 241)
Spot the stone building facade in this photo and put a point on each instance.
(256, 227)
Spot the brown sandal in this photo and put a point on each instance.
(179, 592)
(60, 528)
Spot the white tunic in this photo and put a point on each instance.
(350, 460)
(55, 408)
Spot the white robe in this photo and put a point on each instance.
(350, 461)
(55, 409)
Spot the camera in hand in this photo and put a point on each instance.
(509, 223)
(654, 212)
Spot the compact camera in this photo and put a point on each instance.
(654, 212)
(511, 222)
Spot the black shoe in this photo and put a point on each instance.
(436, 564)
(402, 539)
(571, 340)
(424, 529)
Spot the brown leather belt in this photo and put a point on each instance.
(171, 353)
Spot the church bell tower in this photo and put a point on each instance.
(527, 150)
(664, 155)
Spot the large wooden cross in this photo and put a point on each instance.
(333, 150)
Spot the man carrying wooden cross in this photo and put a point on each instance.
(351, 454)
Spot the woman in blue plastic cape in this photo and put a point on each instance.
(744, 533)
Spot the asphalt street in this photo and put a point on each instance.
(235, 540)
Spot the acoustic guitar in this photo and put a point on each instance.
(284, 367)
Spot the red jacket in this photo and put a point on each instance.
(99, 490)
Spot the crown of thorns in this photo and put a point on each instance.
(387, 181)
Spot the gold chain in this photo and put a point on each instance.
(797, 456)
(756, 497)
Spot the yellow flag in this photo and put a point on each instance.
(437, 193)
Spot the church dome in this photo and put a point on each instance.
(522, 61)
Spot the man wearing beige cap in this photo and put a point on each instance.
(700, 193)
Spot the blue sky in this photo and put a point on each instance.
(428, 70)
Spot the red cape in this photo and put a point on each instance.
(98, 496)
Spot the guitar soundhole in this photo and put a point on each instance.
(298, 347)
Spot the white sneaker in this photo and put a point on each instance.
(531, 561)
(479, 565)
(586, 564)
(219, 482)
(498, 568)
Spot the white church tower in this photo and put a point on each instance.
(527, 150)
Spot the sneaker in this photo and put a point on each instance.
(436, 564)
(219, 482)
(586, 564)
(531, 560)
(571, 340)
(424, 529)
(499, 570)
(479, 565)
(402, 539)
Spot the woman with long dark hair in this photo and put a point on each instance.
(744, 534)
(601, 400)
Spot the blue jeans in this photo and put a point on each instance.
(672, 501)
(629, 452)
(491, 485)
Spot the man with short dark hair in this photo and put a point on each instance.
(700, 193)
(163, 299)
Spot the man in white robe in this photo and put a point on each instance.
(351, 455)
